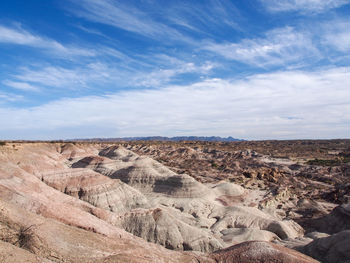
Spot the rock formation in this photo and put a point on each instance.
(335, 248)
(255, 251)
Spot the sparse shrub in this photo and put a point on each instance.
(2, 143)
(28, 239)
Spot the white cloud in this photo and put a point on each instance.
(160, 77)
(9, 97)
(280, 105)
(278, 47)
(337, 35)
(91, 31)
(19, 36)
(200, 17)
(53, 77)
(119, 14)
(112, 76)
(68, 78)
(20, 85)
(303, 6)
(167, 20)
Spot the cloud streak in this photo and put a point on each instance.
(337, 35)
(113, 76)
(126, 17)
(9, 97)
(19, 36)
(162, 21)
(200, 17)
(20, 85)
(278, 47)
(303, 6)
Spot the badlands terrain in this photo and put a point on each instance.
(268, 201)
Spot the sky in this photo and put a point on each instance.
(252, 69)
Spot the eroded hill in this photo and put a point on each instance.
(169, 202)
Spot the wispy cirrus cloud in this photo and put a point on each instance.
(288, 104)
(90, 30)
(278, 47)
(10, 97)
(20, 85)
(119, 14)
(302, 6)
(19, 36)
(337, 35)
(161, 20)
(60, 77)
(111, 76)
(160, 77)
(203, 16)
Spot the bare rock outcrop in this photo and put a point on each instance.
(58, 227)
(238, 235)
(96, 189)
(338, 220)
(166, 227)
(143, 173)
(200, 209)
(259, 251)
(335, 248)
(249, 217)
(48, 240)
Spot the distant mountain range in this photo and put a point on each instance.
(173, 139)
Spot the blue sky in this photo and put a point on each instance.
(253, 69)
